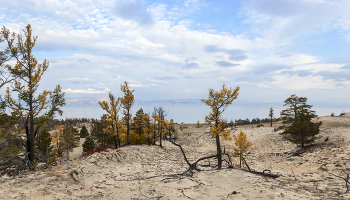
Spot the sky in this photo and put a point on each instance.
(176, 50)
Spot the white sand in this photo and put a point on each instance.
(146, 172)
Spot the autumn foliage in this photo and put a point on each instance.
(241, 146)
(218, 102)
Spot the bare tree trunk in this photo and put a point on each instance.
(240, 160)
(128, 128)
(67, 152)
(271, 121)
(218, 147)
(118, 135)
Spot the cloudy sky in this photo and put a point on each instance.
(178, 49)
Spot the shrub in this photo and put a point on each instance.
(89, 144)
(98, 149)
(260, 125)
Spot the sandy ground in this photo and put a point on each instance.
(151, 172)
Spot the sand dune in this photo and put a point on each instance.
(151, 172)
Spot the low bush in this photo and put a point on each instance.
(98, 149)
(260, 125)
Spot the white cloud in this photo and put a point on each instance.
(87, 91)
(104, 48)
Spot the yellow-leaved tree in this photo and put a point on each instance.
(57, 140)
(218, 102)
(241, 146)
(112, 117)
(127, 101)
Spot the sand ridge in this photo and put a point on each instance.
(151, 172)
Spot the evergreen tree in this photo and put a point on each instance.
(101, 132)
(303, 131)
(33, 111)
(84, 132)
(89, 144)
(159, 117)
(70, 138)
(295, 104)
(43, 142)
(271, 115)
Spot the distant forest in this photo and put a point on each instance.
(253, 121)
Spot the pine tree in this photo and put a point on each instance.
(89, 144)
(70, 138)
(271, 115)
(127, 101)
(159, 117)
(5, 56)
(218, 102)
(84, 132)
(102, 131)
(33, 111)
(43, 142)
(303, 131)
(295, 104)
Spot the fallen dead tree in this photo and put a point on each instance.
(193, 166)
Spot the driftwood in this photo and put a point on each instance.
(71, 174)
(193, 166)
(346, 178)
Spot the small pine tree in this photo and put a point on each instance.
(84, 132)
(271, 115)
(43, 142)
(241, 146)
(89, 144)
(303, 130)
(70, 139)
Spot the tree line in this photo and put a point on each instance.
(143, 128)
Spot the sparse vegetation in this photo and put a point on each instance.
(199, 125)
(259, 125)
(271, 115)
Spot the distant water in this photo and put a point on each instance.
(193, 113)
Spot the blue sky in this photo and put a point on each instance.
(178, 49)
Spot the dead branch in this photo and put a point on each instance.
(203, 134)
(346, 179)
(71, 174)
